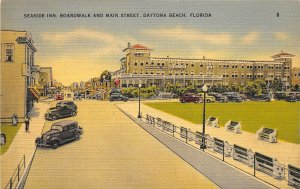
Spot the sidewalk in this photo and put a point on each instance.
(23, 143)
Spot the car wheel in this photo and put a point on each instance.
(77, 136)
(196, 101)
(208, 100)
(222, 101)
(54, 117)
(183, 101)
(73, 114)
(55, 144)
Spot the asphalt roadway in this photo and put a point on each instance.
(113, 152)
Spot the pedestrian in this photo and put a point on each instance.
(27, 122)
(3, 139)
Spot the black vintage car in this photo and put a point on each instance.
(60, 132)
(68, 103)
(262, 98)
(219, 97)
(60, 112)
(117, 97)
(233, 97)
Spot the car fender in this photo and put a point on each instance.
(55, 139)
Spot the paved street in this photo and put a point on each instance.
(113, 152)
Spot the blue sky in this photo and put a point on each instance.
(81, 48)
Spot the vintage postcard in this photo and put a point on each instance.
(102, 94)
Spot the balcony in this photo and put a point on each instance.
(190, 77)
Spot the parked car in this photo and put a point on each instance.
(60, 133)
(233, 97)
(68, 103)
(208, 97)
(78, 96)
(117, 97)
(219, 97)
(292, 98)
(59, 96)
(115, 90)
(190, 97)
(60, 112)
(262, 98)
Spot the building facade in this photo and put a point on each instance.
(138, 66)
(45, 80)
(296, 76)
(17, 73)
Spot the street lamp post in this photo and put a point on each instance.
(140, 85)
(204, 89)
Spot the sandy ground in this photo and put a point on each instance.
(113, 152)
(286, 153)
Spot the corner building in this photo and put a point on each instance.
(138, 66)
(17, 74)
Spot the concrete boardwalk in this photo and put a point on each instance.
(286, 153)
(225, 176)
(113, 152)
(23, 143)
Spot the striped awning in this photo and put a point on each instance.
(34, 94)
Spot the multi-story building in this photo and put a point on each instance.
(17, 70)
(296, 76)
(139, 67)
(45, 80)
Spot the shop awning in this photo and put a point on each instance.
(33, 94)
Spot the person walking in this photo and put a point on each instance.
(27, 122)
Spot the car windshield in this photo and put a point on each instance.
(56, 127)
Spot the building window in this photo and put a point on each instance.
(135, 64)
(9, 52)
(162, 64)
(158, 64)
(192, 65)
(142, 63)
(146, 63)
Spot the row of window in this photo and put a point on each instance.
(220, 66)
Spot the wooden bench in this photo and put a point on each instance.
(294, 176)
(212, 122)
(167, 126)
(218, 145)
(243, 155)
(183, 132)
(267, 134)
(233, 126)
(269, 166)
(159, 122)
(150, 119)
(228, 151)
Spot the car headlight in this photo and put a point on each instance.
(48, 137)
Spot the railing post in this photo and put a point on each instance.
(18, 172)
(24, 161)
(223, 151)
(10, 183)
(254, 166)
(186, 136)
(173, 129)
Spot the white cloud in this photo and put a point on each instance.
(282, 36)
(81, 54)
(250, 38)
(189, 35)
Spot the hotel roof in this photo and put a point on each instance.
(282, 54)
(138, 47)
